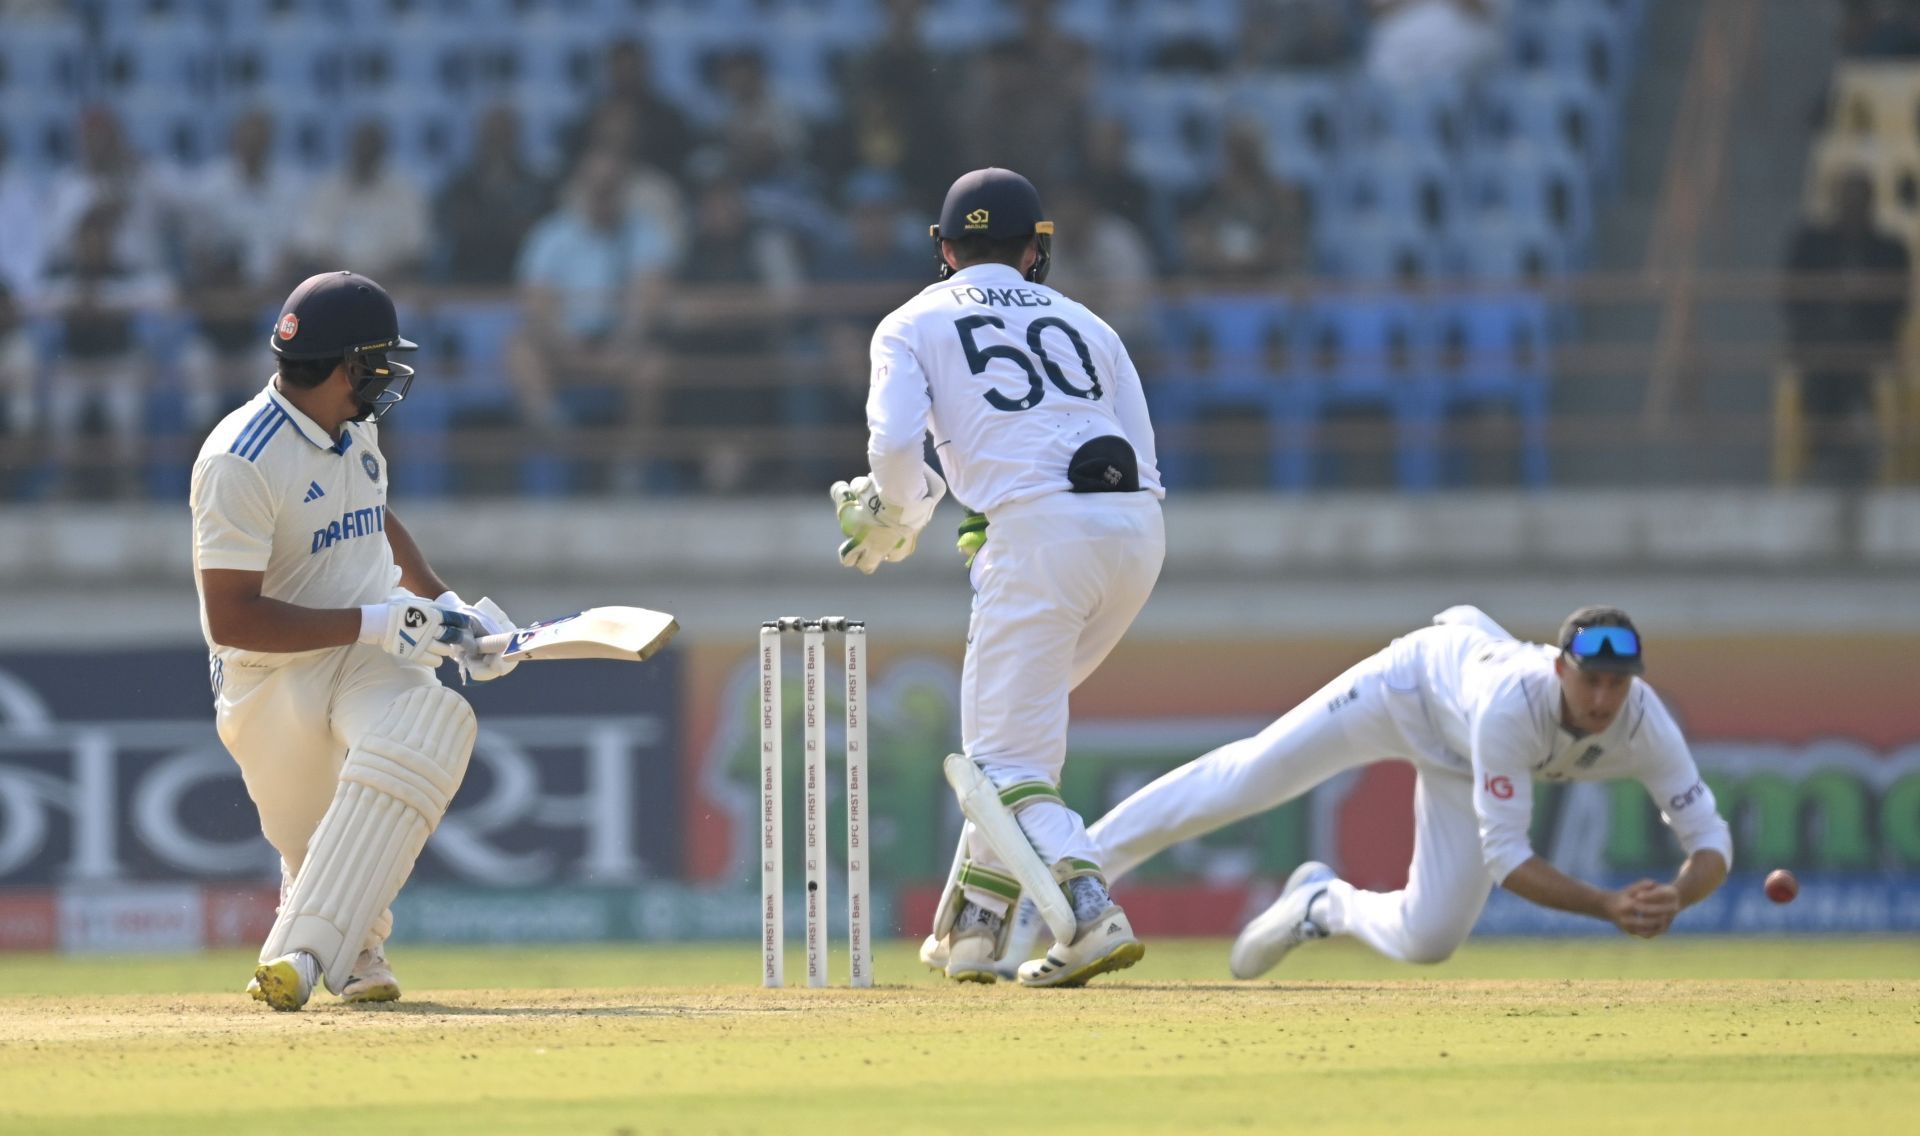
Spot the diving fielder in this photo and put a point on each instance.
(1482, 716)
(1040, 423)
(323, 651)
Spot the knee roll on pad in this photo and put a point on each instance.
(396, 785)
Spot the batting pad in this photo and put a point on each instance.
(393, 791)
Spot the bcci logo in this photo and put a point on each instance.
(371, 466)
(977, 219)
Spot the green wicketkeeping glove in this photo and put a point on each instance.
(973, 535)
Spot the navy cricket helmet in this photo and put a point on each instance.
(344, 315)
(997, 204)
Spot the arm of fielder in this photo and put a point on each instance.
(634, 634)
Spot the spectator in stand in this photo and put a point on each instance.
(1251, 227)
(1416, 42)
(722, 364)
(1108, 175)
(750, 110)
(1844, 325)
(1296, 35)
(589, 277)
(1102, 260)
(615, 129)
(233, 220)
(367, 216)
(96, 298)
(488, 208)
(662, 138)
(1025, 100)
(109, 172)
(884, 259)
(895, 103)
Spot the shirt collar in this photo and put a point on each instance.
(309, 429)
(987, 274)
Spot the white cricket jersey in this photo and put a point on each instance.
(1011, 377)
(1493, 703)
(272, 493)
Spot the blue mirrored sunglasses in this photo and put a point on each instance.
(1591, 642)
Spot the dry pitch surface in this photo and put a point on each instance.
(1683, 1036)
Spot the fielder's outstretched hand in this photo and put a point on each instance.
(1644, 908)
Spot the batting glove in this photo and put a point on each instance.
(488, 619)
(415, 630)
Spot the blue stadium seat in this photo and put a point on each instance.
(1300, 114)
(1431, 119)
(1551, 111)
(957, 26)
(1175, 128)
(1534, 186)
(802, 45)
(1414, 187)
(1497, 349)
(1579, 41)
(174, 127)
(1374, 350)
(1381, 250)
(1164, 23)
(43, 58)
(1513, 250)
(1228, 352)
(38, 135)
(165, 55)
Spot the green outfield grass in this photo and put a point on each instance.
(1607, 1035)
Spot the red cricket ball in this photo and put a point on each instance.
(1781, 886)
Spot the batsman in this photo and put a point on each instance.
(1038, 419)
(322, 646)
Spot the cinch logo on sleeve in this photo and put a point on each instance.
(360, 522)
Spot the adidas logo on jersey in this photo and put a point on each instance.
(314, 492)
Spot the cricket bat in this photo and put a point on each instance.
(630, 633)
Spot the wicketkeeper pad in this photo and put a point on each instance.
(394, 788)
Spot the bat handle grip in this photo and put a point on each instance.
(492, 644)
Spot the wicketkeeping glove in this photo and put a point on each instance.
(877, 532)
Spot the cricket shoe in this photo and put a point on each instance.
(372, 979)
(973, 946)
(1285, 925)
(1102, 944)
(287, 982)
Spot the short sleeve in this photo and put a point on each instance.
(232, 515)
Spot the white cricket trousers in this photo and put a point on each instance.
(1364, 716)
(289, 728)
(1057, 584)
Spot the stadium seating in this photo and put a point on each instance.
(1231, 352)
